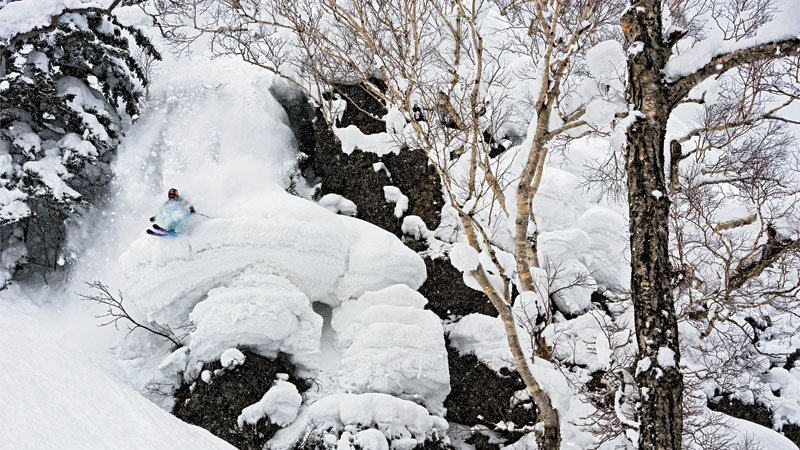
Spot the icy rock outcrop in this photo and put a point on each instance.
(391, 345)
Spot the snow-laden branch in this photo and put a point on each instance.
(723, 62)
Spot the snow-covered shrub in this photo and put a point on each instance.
(64, 95)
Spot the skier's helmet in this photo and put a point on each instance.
(172, 194)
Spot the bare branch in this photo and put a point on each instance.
(116, 312)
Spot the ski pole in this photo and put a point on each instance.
(200, 214)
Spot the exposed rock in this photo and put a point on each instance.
(369, 108)
(476, 390)
(447, 294)
(353, 176)
(301, 115)
(481, 396)
(215, 406)
(756, 413)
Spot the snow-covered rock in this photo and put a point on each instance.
(606, 253)
(337, 204)
(572, 288)
(264, 313)
(328, 257)
(280, 404)
(483, 336)
(558, 201)
(397, 419)
(391, 345)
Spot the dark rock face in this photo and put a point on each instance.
(368, 108)
(301, 116)
(353, 176)
(756, 413)
(314, 442)
(481, 396)
(476, 390)
(217, 405)
(447, 294)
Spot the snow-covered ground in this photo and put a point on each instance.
(58, 395)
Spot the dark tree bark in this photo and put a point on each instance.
(652, 99)
(656, 325)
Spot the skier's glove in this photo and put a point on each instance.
(153, 219)
(191, 210)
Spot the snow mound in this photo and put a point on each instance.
(337, 204)
(391, 345)
(606, 252)
(280, 404)
(484, 337)
(261, 312)
(585, 340)
(572, 289)
(561, 245)
(329, 258)
(401, 421)
(558, 201)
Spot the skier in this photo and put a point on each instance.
(174, 215)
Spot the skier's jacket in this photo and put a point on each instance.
(174, 214)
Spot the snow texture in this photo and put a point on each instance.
(80, 397)
(558, 201)
(352, 138)
(328, 257)
(231, 357)
(21, 16)
(337, 204)
(464, 257)
(392, 194)
(784, 26)
(261, 312)
(397, 419)
(280, 404)
(391, 345)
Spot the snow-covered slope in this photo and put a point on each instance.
(58, 396)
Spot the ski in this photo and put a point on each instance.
(156, 233)
(164, 230)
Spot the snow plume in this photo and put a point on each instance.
(248, 275)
